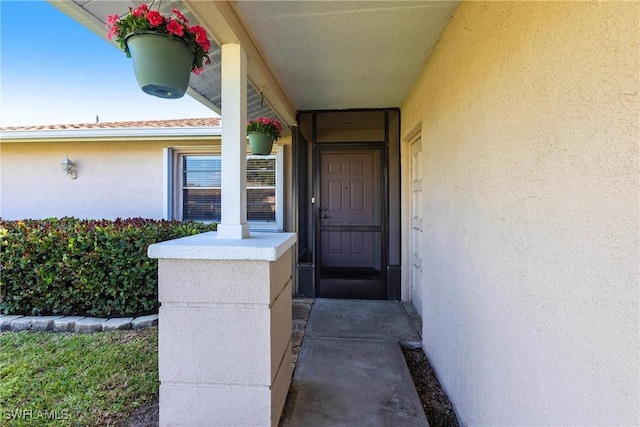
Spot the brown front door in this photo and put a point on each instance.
(349, 224)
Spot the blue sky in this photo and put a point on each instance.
(54, 71)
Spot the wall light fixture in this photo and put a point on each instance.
(68, 167)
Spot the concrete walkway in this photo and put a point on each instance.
(351, 371)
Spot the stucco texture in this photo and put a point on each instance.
(529, 115)
(115, 179)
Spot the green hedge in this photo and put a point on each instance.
(83, 267)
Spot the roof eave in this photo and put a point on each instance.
(224, 25)
(133, 134)
(84, 18)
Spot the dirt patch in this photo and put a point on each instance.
(435, 402)
(145, 416)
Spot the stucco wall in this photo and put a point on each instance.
(530, 127)
(115, 179)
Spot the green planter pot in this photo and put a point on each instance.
(260, 143)
(162, 64)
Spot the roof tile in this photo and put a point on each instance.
(176, 123)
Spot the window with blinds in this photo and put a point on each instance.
(261, 189)
(202, 188)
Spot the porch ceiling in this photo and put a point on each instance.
(305, 55)
(346, 54)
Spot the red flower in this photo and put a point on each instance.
(201, 37)
(154, 18)
(180, 15)
(175, 28)
(197, 71)
(266, 125)
(176, 25)
(112, 20)
(112, 32)
(206, 45)
(141, 10)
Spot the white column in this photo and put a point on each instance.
(234, 143)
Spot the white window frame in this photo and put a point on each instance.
(173, 175)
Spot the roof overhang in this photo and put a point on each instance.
(137, 134)
(225, 25)
(205, 87)
(305, 55)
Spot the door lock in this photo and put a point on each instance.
(320, 213)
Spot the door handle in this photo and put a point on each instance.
(321, 215)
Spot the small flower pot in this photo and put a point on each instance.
(162, 64)
(260, 143)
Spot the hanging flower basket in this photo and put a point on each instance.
(162, 65)
(260, 143)
(262, 133)
(165, 49)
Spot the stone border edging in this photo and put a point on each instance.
(79, 324)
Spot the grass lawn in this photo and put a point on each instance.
(57, 379)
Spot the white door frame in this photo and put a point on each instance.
(415, 226)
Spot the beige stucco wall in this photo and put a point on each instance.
(116, 178)
(530, 128)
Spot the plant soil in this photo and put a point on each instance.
(146, 415)
(435, 402)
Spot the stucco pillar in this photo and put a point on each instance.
(224, 345)
(234, 143)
